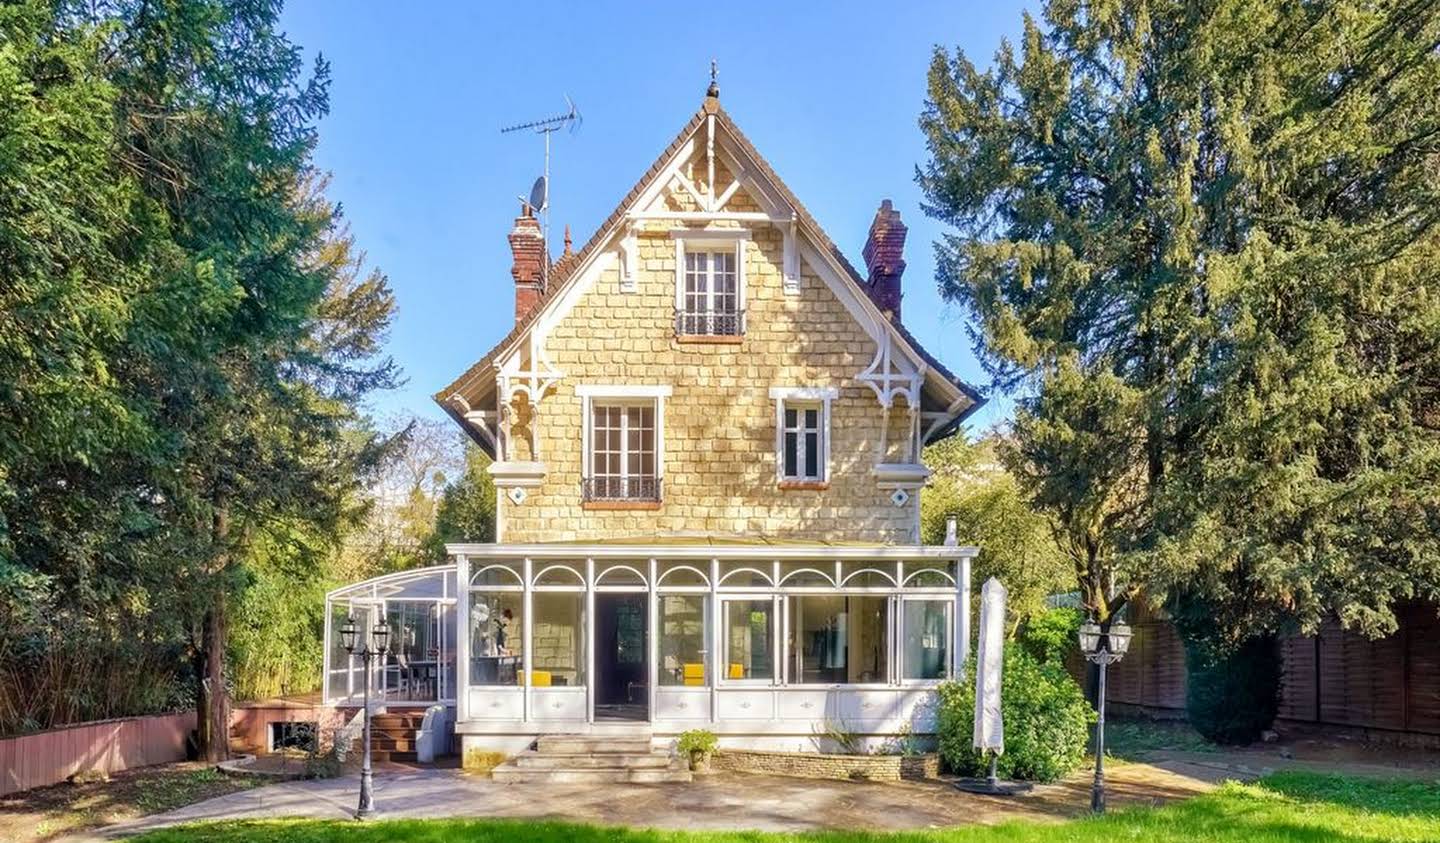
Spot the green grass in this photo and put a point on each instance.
(1283, 808)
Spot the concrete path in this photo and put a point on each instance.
(721, 801)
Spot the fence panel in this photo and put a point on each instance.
(110, 746)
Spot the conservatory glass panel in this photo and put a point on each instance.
(838, 639)
(412, 662)
(496, 633)
(339, 678)
(558, 648)
(749, 631)
(682, 640)
(926, 638)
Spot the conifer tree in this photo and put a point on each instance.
(1200, 240)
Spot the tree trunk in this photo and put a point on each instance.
(217, 748)
(212, 715)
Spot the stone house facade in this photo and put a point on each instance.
(707, 429)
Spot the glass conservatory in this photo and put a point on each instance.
(736, 636)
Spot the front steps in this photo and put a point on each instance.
(591, 758)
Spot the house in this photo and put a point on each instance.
(707, 428)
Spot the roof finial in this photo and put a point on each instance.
(714, 89)
(568, 252)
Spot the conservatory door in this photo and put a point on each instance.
(414, 667)
(621, 664)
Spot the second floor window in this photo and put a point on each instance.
(622, 452)
(710, 296)
(800, 443)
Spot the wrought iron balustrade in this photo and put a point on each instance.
(620, 489)
(710, 323)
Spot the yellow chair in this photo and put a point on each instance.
(693, 674)
(540, 678)
(737, 670)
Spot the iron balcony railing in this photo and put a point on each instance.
(620, 489)
(705, 323)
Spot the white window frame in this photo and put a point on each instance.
(899, 633)
(637, 394)
(803, 398)
(722, 644)
(712, 241)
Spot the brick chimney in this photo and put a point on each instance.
(884, 258)
(527, 245)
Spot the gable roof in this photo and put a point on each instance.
(564, 270)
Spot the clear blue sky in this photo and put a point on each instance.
(830, 95)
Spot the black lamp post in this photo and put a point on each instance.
(1103, 645)
(379, 636)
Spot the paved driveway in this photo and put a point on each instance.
(721, 801)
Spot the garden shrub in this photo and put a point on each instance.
(1050, 634)
(1232, 693)
(1047, 720)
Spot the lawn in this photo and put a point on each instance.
(1288, 807)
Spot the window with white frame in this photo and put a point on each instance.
(802, 434)
(623, 444)
(710, 288)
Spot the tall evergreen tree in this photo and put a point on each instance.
(1201, 239)
(182, 361)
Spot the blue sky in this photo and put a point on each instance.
(830, 95)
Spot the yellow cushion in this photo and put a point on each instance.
(694, 674)
(737, 670)
(541, 678)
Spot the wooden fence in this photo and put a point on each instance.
(109, 745)
(1388, 689)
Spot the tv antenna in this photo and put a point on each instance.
(540, 191)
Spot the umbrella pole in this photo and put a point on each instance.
(994, 762)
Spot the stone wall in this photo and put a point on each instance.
(813, 765)
(719, 422)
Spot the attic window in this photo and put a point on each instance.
(710, 285)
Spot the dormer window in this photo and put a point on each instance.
(802, 436)
(710, 285)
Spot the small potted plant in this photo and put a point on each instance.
(697, 745)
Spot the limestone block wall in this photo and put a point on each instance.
(720, 473)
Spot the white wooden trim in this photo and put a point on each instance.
(590, 640)
(462, 638)
(527, 648)
(710, 234)
(587, 390)
(652, 638)
(679, 273)
(707, 216)
(704, 551)
(805, 393)
(790, 261)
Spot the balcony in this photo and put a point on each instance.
(620, 492)
(710, 326)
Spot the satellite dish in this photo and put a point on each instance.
(540, 194)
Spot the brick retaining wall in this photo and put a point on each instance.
(814, 765)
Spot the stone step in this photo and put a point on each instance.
(393, 744)
(519, 775)
(385, 755)
(590, 745)
(598, 761)
(391, 721)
